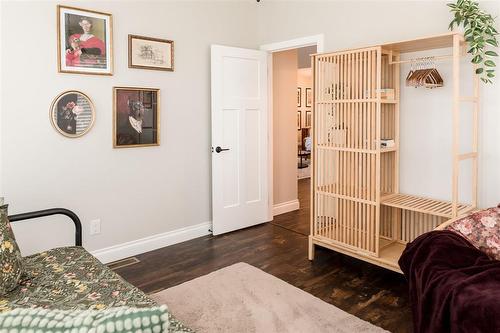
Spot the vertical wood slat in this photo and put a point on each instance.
(475, 123)
(377, 142)
(456, 122)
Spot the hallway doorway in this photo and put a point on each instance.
(298, 220)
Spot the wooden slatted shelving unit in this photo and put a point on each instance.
(357, 208)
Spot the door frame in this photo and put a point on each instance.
(319, 41)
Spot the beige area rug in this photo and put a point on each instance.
(242, 298)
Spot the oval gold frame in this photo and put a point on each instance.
(51, 115)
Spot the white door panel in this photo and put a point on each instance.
(239, 123)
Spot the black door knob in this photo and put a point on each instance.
(219, 149)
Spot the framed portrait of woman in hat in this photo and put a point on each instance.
(84, 41)
(136, 116)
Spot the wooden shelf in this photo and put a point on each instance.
(423, 44)
(388, 256)
(423, 205)
(342, 148)
(390, 252)
(361, 100)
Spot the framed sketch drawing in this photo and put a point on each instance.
(299, 97)
(72, 113)
(150, 53)
(309, 97)
(84, 41)
(136, 117)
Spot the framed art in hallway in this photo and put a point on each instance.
(308, 97)
(299, 97)
(299, 120)
(150, 53)
(136, 117)
(72, 114)
(84, 41)
(308, 119)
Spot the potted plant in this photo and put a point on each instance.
(479, 33)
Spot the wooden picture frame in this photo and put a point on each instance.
(299, 97)
(299, 120)
(72, 113)
(150, 53)
(78, 53)
(308, 118)
(134, 123)
(308, 97)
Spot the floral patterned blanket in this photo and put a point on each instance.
(70, 278)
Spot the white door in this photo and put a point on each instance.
(239, 138)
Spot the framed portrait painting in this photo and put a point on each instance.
(84, 41)
(309, 97)
(136, 117)
(72, 114)
(150, 53)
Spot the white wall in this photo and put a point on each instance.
(349, 24)
(136, 192)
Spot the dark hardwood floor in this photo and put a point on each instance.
(280, 248)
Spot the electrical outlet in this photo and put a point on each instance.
(95, 227)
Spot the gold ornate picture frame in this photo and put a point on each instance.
(84, 41)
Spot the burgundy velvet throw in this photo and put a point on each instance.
(454, 287)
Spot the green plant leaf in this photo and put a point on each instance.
(492, 42)
(489, 63)
(477, 59)
(479, 33)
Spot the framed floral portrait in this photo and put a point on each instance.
(84, 41)
(150, 53)
(136, 117)
(72, 114)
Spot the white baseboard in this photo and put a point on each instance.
(129, 249)
(286, 207)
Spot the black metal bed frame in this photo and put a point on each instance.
(49, 212)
